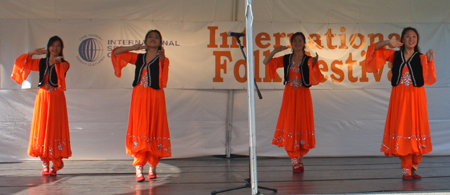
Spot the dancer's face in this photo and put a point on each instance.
(298, 43)
(55, 49)
(153, 40)
(410, 39)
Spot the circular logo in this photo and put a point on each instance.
(90, 50)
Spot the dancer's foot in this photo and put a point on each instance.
(414, 174)
(298, 168)
(45, 168)
(407, 175)
(52, 172)
(139, 176)
(152, 172)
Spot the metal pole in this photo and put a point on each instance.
(251, 96)
(229, 122)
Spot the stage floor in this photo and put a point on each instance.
(368, 175)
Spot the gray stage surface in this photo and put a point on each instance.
(360, 175)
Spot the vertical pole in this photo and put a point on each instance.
(251, 96)
(229, 122)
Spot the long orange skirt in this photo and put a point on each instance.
(407, 130)
(49, 136)
(148, 129)
(295, 126)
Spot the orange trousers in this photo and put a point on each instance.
(410, 161)
(141, 158)
(297, 154)
(58, 164)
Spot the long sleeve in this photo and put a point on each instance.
(273, 65)
(315, 75)
(429, 74)
(22, 67)
(121, 61)
(61, 70)
(164, 72)
(376, 59)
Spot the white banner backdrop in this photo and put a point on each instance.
(204, 57)
(349, 107)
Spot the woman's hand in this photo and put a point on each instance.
(315, 59)
(38, 51)
(280, 48)
(58, 59)
(161, 53)
(430, 55)
(395, 43)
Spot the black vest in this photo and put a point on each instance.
(304, 69)
(152, 73)
(415, 68)
(45, 69)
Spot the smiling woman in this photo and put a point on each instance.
(295, 126)
(49, 137)
(148, 137)
(407, 131)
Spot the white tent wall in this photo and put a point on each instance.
(349, 117)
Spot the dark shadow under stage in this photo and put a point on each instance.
(369, 175)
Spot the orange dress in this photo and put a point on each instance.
(148, 128)
(295, 126)
(407, 130)
(49, 136)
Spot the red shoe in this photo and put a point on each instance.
(413, 173)
(45, 171)
(298, 168)
(52, 172)
(407, 177)
(152, 172)
(140, 178)
(152, 176)
(415, 176)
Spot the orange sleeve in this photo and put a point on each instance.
(22, 67)
(274, 64)
(164, 72)
(122, 60)
(61, 70)
(315, 76)
(376, 59)
(429, 74)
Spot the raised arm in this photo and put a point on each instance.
(38, 51)
(392, 42)
(24, 64)
(271, 54)
(124, 49)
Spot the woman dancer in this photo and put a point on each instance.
(295, 126)
(49, 136)
(148, 137)
(407, 132)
